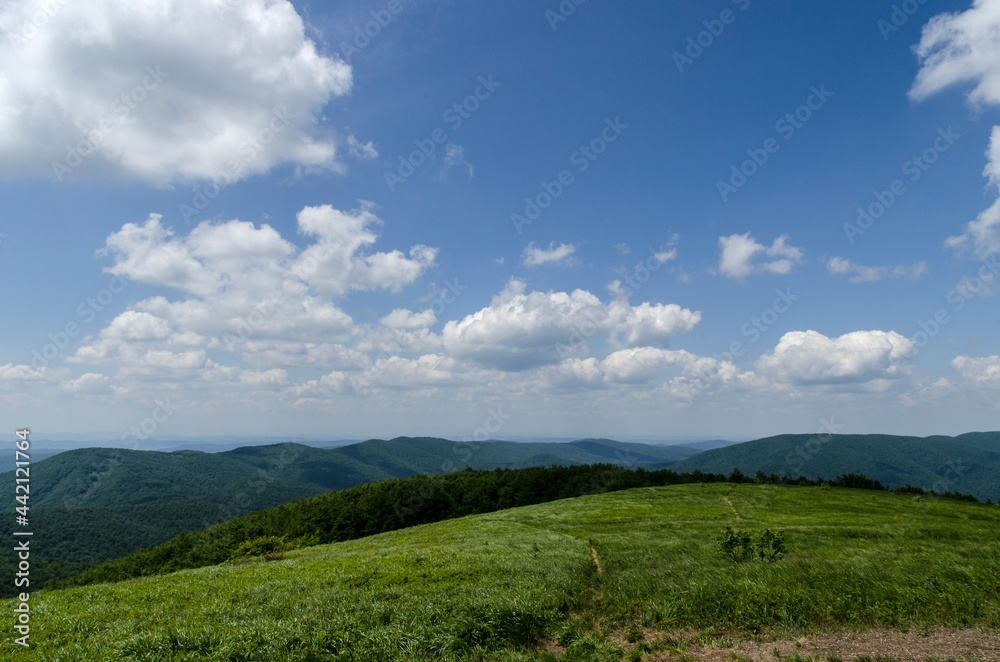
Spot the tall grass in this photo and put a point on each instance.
(493, 587)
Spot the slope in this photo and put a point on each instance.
(522, 584)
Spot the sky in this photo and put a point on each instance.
(640, 220)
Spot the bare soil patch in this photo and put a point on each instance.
(940, 643)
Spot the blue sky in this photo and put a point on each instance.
(530, 218)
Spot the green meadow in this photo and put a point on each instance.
(522, 584)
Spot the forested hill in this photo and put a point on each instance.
(264, 476)
(968, 463)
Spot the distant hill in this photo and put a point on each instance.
(711, 444)
(968, 463)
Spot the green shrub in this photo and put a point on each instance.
(268, 546)
(737, 546)
(770, 546)
(740, 546)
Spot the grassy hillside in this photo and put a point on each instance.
(149, 497)
(523, 584)
(969, 463)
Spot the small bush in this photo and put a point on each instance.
(740, 546)
(770, 546)
(268, 546)
(737, 546)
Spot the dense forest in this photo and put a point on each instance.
(968, 463)
(393, 504)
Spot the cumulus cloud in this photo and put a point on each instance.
(740, 253)
(863, 274)
(983, 371)
(983, 234)
(249, 291)
(961, 48)
(809, 357)
(964, 48)
(519, 330)
(336, 262)
(161, 92)
(650, 325)
(534, 256)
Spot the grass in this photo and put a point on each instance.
(521, 584)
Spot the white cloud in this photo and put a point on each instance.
(89, 383)
(362, 152)
(162, 92)
(518, 331)
(27, 373)
(455, 156)
(983, 371)
(863, 274)
(650, 325)
(964, 48)
(640, 365)
(961, 48)
(335, 264)
(983, 234)
(809, 357)
(534, 256)
(738, 253)
(248, 291)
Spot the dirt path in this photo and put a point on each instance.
(731, 506)
(940, 643)
(597, 561)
